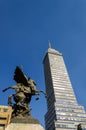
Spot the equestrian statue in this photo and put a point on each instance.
(24, 90)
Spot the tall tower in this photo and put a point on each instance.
(63, 113)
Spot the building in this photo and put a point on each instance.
(5, 116)
(63, 113)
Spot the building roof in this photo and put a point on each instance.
(53, 51)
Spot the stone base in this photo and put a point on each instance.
(27, 119)
(24, 123)
(24, 126)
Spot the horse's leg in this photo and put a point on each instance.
(40, 91)
(10, 100)
(37, 96)
(27, 101)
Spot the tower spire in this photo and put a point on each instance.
(49, 44)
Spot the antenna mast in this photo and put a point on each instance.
(49, 44)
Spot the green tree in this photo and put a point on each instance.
(79, 127)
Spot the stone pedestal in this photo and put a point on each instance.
(23, 126)
(26, 123)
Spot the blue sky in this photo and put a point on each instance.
(25, 28)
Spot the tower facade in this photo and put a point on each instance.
(63, 111)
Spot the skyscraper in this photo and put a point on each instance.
(63, 111)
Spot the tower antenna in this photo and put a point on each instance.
(49, 44)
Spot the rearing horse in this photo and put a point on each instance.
(25, 89)
(23, 93)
